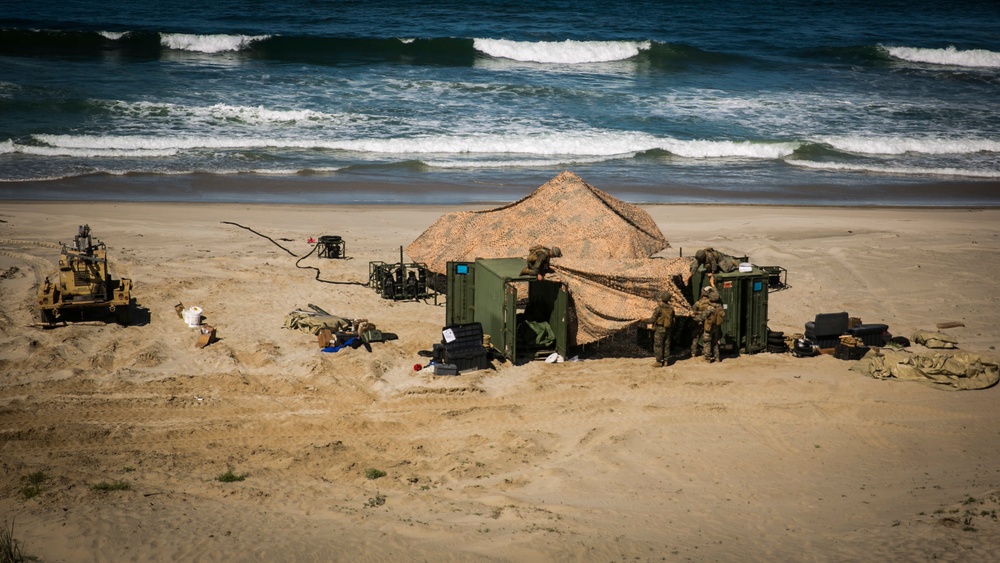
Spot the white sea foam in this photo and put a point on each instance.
(208, 43)
(253, 115)
(142, 143)
(564, 52)
(290, 172)
(521, 163)
(95, 152)
(895, 170)
(260, 115)
(949, 56)
(562, 145)
(896, 145)
(7, 147)
(726, 149)
(113, 35)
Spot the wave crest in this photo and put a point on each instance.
(949, 56)
(561, 52)
(894, 170)
(561, 146)
(895, 145)
(208, 43)
(112, 35)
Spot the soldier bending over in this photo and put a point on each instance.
(538, 261)
(714, 262)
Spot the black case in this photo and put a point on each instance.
(871, 334)
(466, 351)
(849, 352)
(445, 369)
(828, 324)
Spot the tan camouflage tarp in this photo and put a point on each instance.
(954, 371)
(583, 221)
(933, 339)
(314, 322)
(611, 295)
(606, 246)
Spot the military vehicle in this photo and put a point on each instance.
(84, 283)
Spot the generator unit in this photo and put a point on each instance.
(526, 319)
(401, 281)
(331, 246)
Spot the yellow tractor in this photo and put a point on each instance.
(84, 283)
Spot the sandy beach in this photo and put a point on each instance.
(765, 457)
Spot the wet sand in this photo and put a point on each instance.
(408, 188)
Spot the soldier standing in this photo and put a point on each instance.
(700, 310)
(662, 319)
(713, 327)
(538, 261)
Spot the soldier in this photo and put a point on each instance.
(700, 310)
(714, 262)
(713, 327)
(538, 261)
(662, 319)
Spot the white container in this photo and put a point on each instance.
(192, 316)
(746, 267)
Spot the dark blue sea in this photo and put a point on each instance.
(841, 102)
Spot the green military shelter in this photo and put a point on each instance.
(526, 319)
(744, 297)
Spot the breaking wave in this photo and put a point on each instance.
(561, 52)
(895, 170)
(250, 115)
(576, 145)
(209, 43)
(895, 145)
(455, 51)
(112, 35)
(95, 152)
(949, 56)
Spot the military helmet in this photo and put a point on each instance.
(665, 297)
(556, 253)
(700, 255)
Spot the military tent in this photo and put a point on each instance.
(607, 250)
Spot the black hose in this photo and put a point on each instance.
(299, 259)
(260, 235)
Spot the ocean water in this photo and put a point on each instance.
(825, 102)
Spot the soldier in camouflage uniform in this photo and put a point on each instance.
(713, 327)
(662, 319)
(538, 261)
(700, 310)
(714, 262)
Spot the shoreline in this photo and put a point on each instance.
(417, 190)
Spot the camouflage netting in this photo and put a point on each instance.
(606, 246)
(611, 295)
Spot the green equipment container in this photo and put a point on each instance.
(744, 297)
(525, 318)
